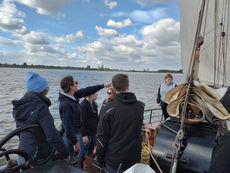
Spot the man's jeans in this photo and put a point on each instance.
(69, 147)
(81, 154)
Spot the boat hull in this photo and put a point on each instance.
(200, 140)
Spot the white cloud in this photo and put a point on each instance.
(143, 16)
(158, 49)
(105, 32)
(163, 32)
(69, 38)
(45, 7)
(35, 37)
(147, 3)
(110, 4)
(147, 16)
(112, 23)
(11, 19)
(9, 42)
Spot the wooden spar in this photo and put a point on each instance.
(193, 71)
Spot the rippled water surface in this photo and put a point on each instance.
(144, 85)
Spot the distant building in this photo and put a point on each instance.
(101, 67)
(88, 67)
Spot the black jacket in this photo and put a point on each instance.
(119, 130)
(89, 118)
(33, 109)
(225, 100)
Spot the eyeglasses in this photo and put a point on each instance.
(109, 93)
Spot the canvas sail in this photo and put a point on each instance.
(195, 100)
(214, 65)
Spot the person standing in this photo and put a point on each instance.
(33, 108)
(110, 97)
(162, 91)
(89, 110)
(71, 116)
(119, 128)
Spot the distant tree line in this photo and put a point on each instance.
(25, 65)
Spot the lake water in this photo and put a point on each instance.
(144, 85)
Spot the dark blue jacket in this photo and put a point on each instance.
(33, 109)
(70, 111)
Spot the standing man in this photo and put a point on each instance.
(71, 115)
(119, 129)
(162, 91)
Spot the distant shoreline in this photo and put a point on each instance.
(82, 68)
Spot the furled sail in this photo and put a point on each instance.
(204, 52)
(214, 65)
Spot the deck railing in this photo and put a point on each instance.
(152, 115)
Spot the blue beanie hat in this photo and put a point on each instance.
(35, 82)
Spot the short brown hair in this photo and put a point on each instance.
(66, 82)
(120, 82)
(168, 75)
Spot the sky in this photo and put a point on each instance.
(121, 34)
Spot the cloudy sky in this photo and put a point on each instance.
(123, 34)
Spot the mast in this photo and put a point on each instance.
(192, 74)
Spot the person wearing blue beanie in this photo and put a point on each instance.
(33, 108)
(35, 82)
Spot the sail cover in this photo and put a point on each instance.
(214, 66)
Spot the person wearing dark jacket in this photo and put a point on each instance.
(110, 97)
(90, 120)
(119, 129)
(70, 112)
(162, 91)
(32, 108)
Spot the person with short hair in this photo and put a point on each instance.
(33, 108)
(162, 91)
(119, 128)
(71, 115)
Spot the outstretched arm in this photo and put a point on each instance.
(90, 90)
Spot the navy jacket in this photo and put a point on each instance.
(119, 130)
(33, 109)
(89, 118)
(70, 111)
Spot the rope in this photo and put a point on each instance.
(153, 156)
(170, 129)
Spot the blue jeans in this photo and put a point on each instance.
(82, 152)
(20, 159)
(69, 147)
(90, 146)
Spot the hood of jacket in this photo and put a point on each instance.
(27, 104)
(126, 97)
(63, 98)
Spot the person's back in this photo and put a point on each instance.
(119, 129)
(32, 108)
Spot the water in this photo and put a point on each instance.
(144, 85)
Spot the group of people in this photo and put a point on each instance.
(116, 130)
